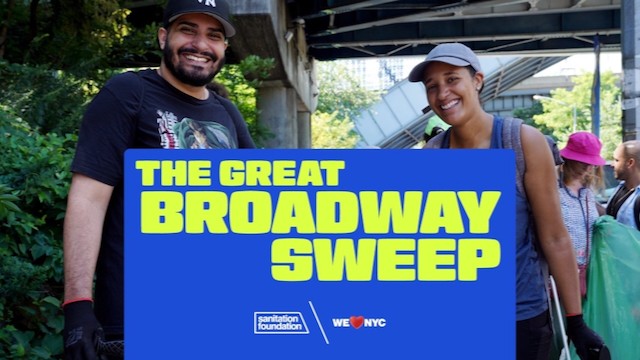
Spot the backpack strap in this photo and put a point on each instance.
(636, 212)
(511, 140)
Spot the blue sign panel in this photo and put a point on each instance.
(320, 254)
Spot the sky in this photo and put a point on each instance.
(573, 65)
(577, 64)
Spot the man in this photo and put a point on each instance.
(626, 167)
(163, 108)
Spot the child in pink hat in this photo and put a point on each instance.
(579, 174)
(579, 171)
(583, 147)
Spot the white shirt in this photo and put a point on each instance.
(579, 213)
(625, 213)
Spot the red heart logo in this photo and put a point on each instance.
(356, 321)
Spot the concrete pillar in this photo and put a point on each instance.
(304, 130)
(630, 13)
(278, 110)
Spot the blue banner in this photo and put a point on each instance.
(319, 254)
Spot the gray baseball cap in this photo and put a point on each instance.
(451, 53)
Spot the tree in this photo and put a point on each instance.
(341, 99)
(71, 35)
(50, 101)
(241, 81)
(340, 91)
(527, 114)
(329, 132)
(559, 117)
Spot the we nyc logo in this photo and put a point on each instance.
(358, 322)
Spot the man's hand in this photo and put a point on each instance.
(82, 332)
(588, 344)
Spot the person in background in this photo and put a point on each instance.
(435, 126)
(626, 167)
(557, 159)
(145, 109)
(579, 174)
(219, 89)
(453, 80)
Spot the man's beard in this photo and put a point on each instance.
(192, 78)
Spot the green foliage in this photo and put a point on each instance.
(559, 117)
(242, 81)
(34, 180)
(341, 92)
(527, 114)
(330, 132)
(66, 34)
(48, 100)
(137, 46)
(341, 99)
(28, 310)
(77, 36)
(7, 202)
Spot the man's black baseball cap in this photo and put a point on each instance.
(218, 9)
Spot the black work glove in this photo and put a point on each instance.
(82, 332)
(588, 344)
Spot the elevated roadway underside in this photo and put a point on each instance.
(347, 28)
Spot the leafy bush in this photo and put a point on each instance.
(48, 100)
(331, 132)
(34, 180)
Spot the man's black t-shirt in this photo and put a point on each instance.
(142, 110)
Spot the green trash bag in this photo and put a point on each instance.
(612, 305)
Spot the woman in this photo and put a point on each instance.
(580, 172)
(453, 80)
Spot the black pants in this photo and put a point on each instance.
(533, 338)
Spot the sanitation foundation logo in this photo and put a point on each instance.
(279, 323)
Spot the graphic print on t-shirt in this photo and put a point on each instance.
(192, 134)
(166, 122)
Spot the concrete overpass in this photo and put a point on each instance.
(297, 32)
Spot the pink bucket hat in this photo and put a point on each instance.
(584, 147)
